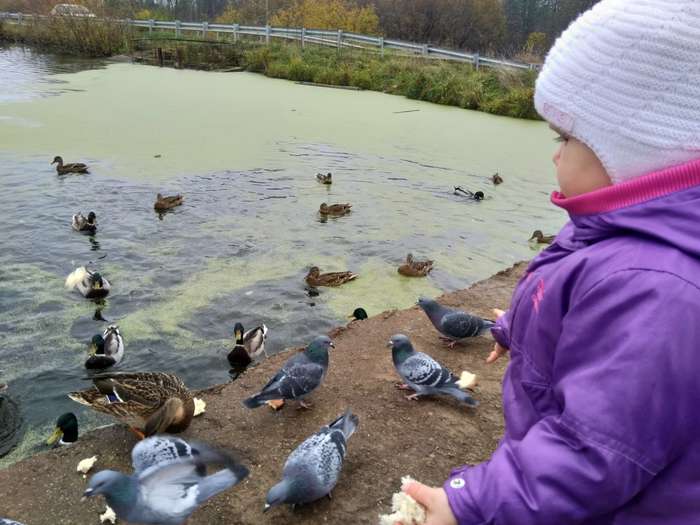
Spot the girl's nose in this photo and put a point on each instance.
(557, 155)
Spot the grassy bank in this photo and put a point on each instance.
(501, 92)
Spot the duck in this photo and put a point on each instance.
(359, 314)
(74, 167)
(166, 202)
(476, 195)
(315, 278)
(324, 179)
(84, 224)
(148, 402)
(238, 357)
(106, 350)
(496, 179)
(66, 431)
(253, 340)
(335, 210)
(540, 238)
(413, 268)
(91, 285)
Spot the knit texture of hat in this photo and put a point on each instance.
(624, 79)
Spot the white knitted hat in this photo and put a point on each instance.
(624, 79)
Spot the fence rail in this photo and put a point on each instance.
(339, 39)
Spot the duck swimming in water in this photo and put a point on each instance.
(359, 314)
(413, 268)
(315, 278)
(167, 202)
(540, 238)
(335, 210)
(324, 179)
(66, 431)
(496, 179)
(75, 167)
(106, 350)
(83, 224)
(476, 195)
(91, 285)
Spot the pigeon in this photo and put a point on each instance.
(453, 324)
(298, 377)
(313, 468)
(169, 481)
(423, 374)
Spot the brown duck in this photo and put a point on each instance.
(335, 210)
(324, 179)
(165, 203)
(74, 167)
(149, 402)
(496, 179)
(541, 238)
(315, 278)
(413, 268)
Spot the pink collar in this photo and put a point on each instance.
(641, 189)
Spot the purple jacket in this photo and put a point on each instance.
(602, 394)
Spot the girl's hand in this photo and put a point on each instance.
(498, 350)
(438, 511)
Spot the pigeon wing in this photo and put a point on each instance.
(460, 325)
(169, 490)
(298, 377)
(161, 450)
(422, 370)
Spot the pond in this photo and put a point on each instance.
(243, 150)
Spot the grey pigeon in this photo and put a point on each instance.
(423, 374)
(299, 376)
(169, 481)
(5, 521)
(313, 468)
(453, 324)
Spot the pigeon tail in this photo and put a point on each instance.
(460, 395)
(347, 423)
(222, 480)
(255, 401)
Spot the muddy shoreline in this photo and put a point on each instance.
(396, 437)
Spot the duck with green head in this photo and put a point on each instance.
(238, 357)
(91, 285)
(359, 314)
(106, 350)
(83, 224)
(66, 431)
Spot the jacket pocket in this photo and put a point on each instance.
(542, 398)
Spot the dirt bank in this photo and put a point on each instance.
(395, 437)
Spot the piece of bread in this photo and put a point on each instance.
(404, 508)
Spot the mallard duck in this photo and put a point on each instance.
(335, 210)
(106, 350)
(75, 167)
(149, 402)
(167, 202)
(85, 225)
(315, 278)
(413, 268)
(253, 340)
(90, 284)
(496, 179)
(359, 314)
(324, 179)
(238, 357)
(66, 431)
(476, 195)
(541, 238)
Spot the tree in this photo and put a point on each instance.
(328, 14)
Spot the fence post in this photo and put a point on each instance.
(340, 37)
(177, 28)
(267, 34)
(205, 28)
(151, 23)
(424, 51)
(303, 37)
(476, 61)
(235, 32)
(381, 44)
(19, 19)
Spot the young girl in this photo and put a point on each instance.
(602, 394)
